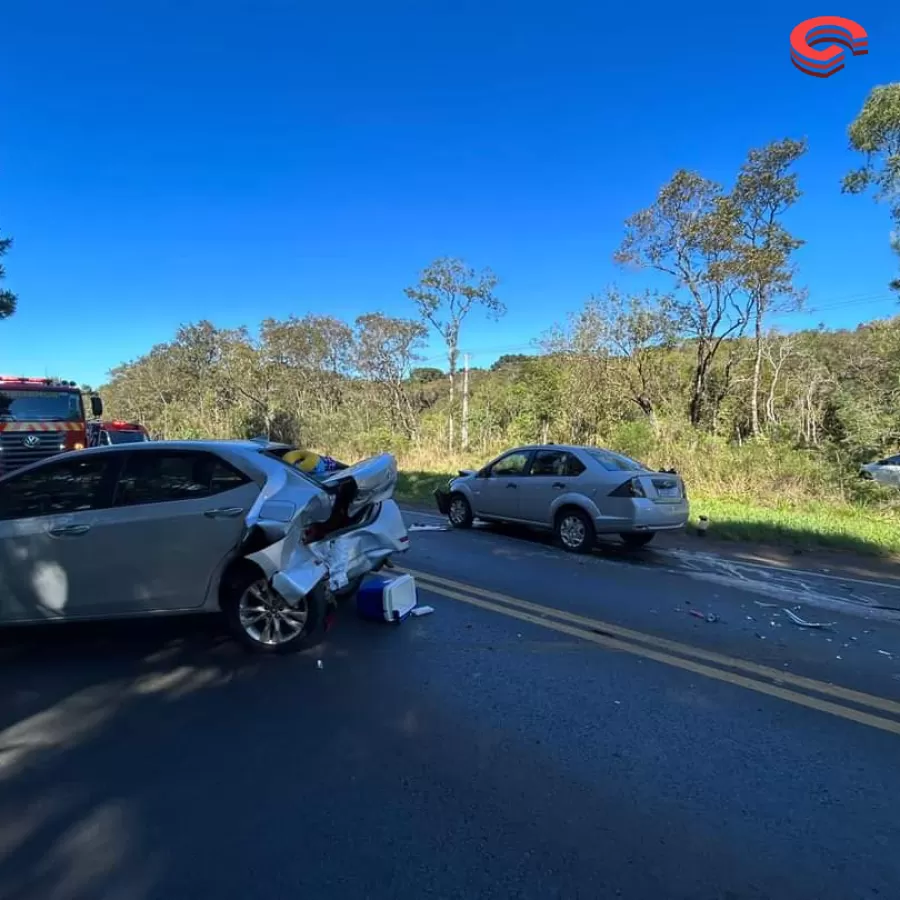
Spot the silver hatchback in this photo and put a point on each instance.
(577, 492)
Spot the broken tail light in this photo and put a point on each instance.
(631, 488)
(313, 533)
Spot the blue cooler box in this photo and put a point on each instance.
(387, 598)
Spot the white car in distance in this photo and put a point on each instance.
(885, 471)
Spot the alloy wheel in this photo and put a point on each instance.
(572, 532)
(268, 618)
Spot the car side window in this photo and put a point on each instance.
(166, 476)
(510, 465)
(73, 485)
(557, 463)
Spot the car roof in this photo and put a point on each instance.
(241, 448)
(551, 447)
(208, 445)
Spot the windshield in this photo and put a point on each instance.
(40, 406)
(125, 437)
(615, 462)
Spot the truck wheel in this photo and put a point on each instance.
(263, 621)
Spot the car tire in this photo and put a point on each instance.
(350, 588)
(459, 512)
(634, 540)
(575, 531)
(279, 628)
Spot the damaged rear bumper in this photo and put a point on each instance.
(442, 498)
(295, 568)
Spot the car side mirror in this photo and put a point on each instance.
(483, 473)
(96, 406)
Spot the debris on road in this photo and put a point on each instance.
(319, 664)
(803, 623)
(423, 610)
(766, 605)
(707, 617)
(419, 526)
(886, 653)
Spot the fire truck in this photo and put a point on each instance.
(103, 434)
(40, 417)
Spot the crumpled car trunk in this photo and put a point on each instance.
(341, 529)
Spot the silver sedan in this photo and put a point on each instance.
(577, 492)
(192, 526)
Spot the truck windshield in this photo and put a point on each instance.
(40, 406)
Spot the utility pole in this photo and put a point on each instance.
(465, 403)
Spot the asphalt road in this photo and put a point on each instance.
(559, 727)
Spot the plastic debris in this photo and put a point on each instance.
(319, 664)
(707, 617)
(418, 526)
(766, 605)
(803, 623)
(886, 653)
(422, 611)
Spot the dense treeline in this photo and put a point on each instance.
(828, 398)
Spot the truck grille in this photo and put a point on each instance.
(19, 448)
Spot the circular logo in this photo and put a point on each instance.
(32, 441)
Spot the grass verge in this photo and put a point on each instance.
(808, 526)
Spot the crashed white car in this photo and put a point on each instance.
(193, 526)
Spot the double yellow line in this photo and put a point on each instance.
(808, 692)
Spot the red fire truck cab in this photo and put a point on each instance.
(40, 417)
(102, 434)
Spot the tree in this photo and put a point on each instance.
(386, 348)
(8, 299)
(691, 233)
(765, 190)
(445, 294)
(875, 132)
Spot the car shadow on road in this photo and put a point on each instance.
(607, 547)
(111, 732)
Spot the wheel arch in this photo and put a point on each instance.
(573, 501)
(236, 572)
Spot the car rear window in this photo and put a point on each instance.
(615, 462)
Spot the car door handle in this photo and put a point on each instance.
(226, 512)
(558, 484)
(70, 530)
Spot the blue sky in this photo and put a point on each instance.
(162, 163)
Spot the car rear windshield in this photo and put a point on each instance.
(278, 455)
(615, 462)
(126, 437)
